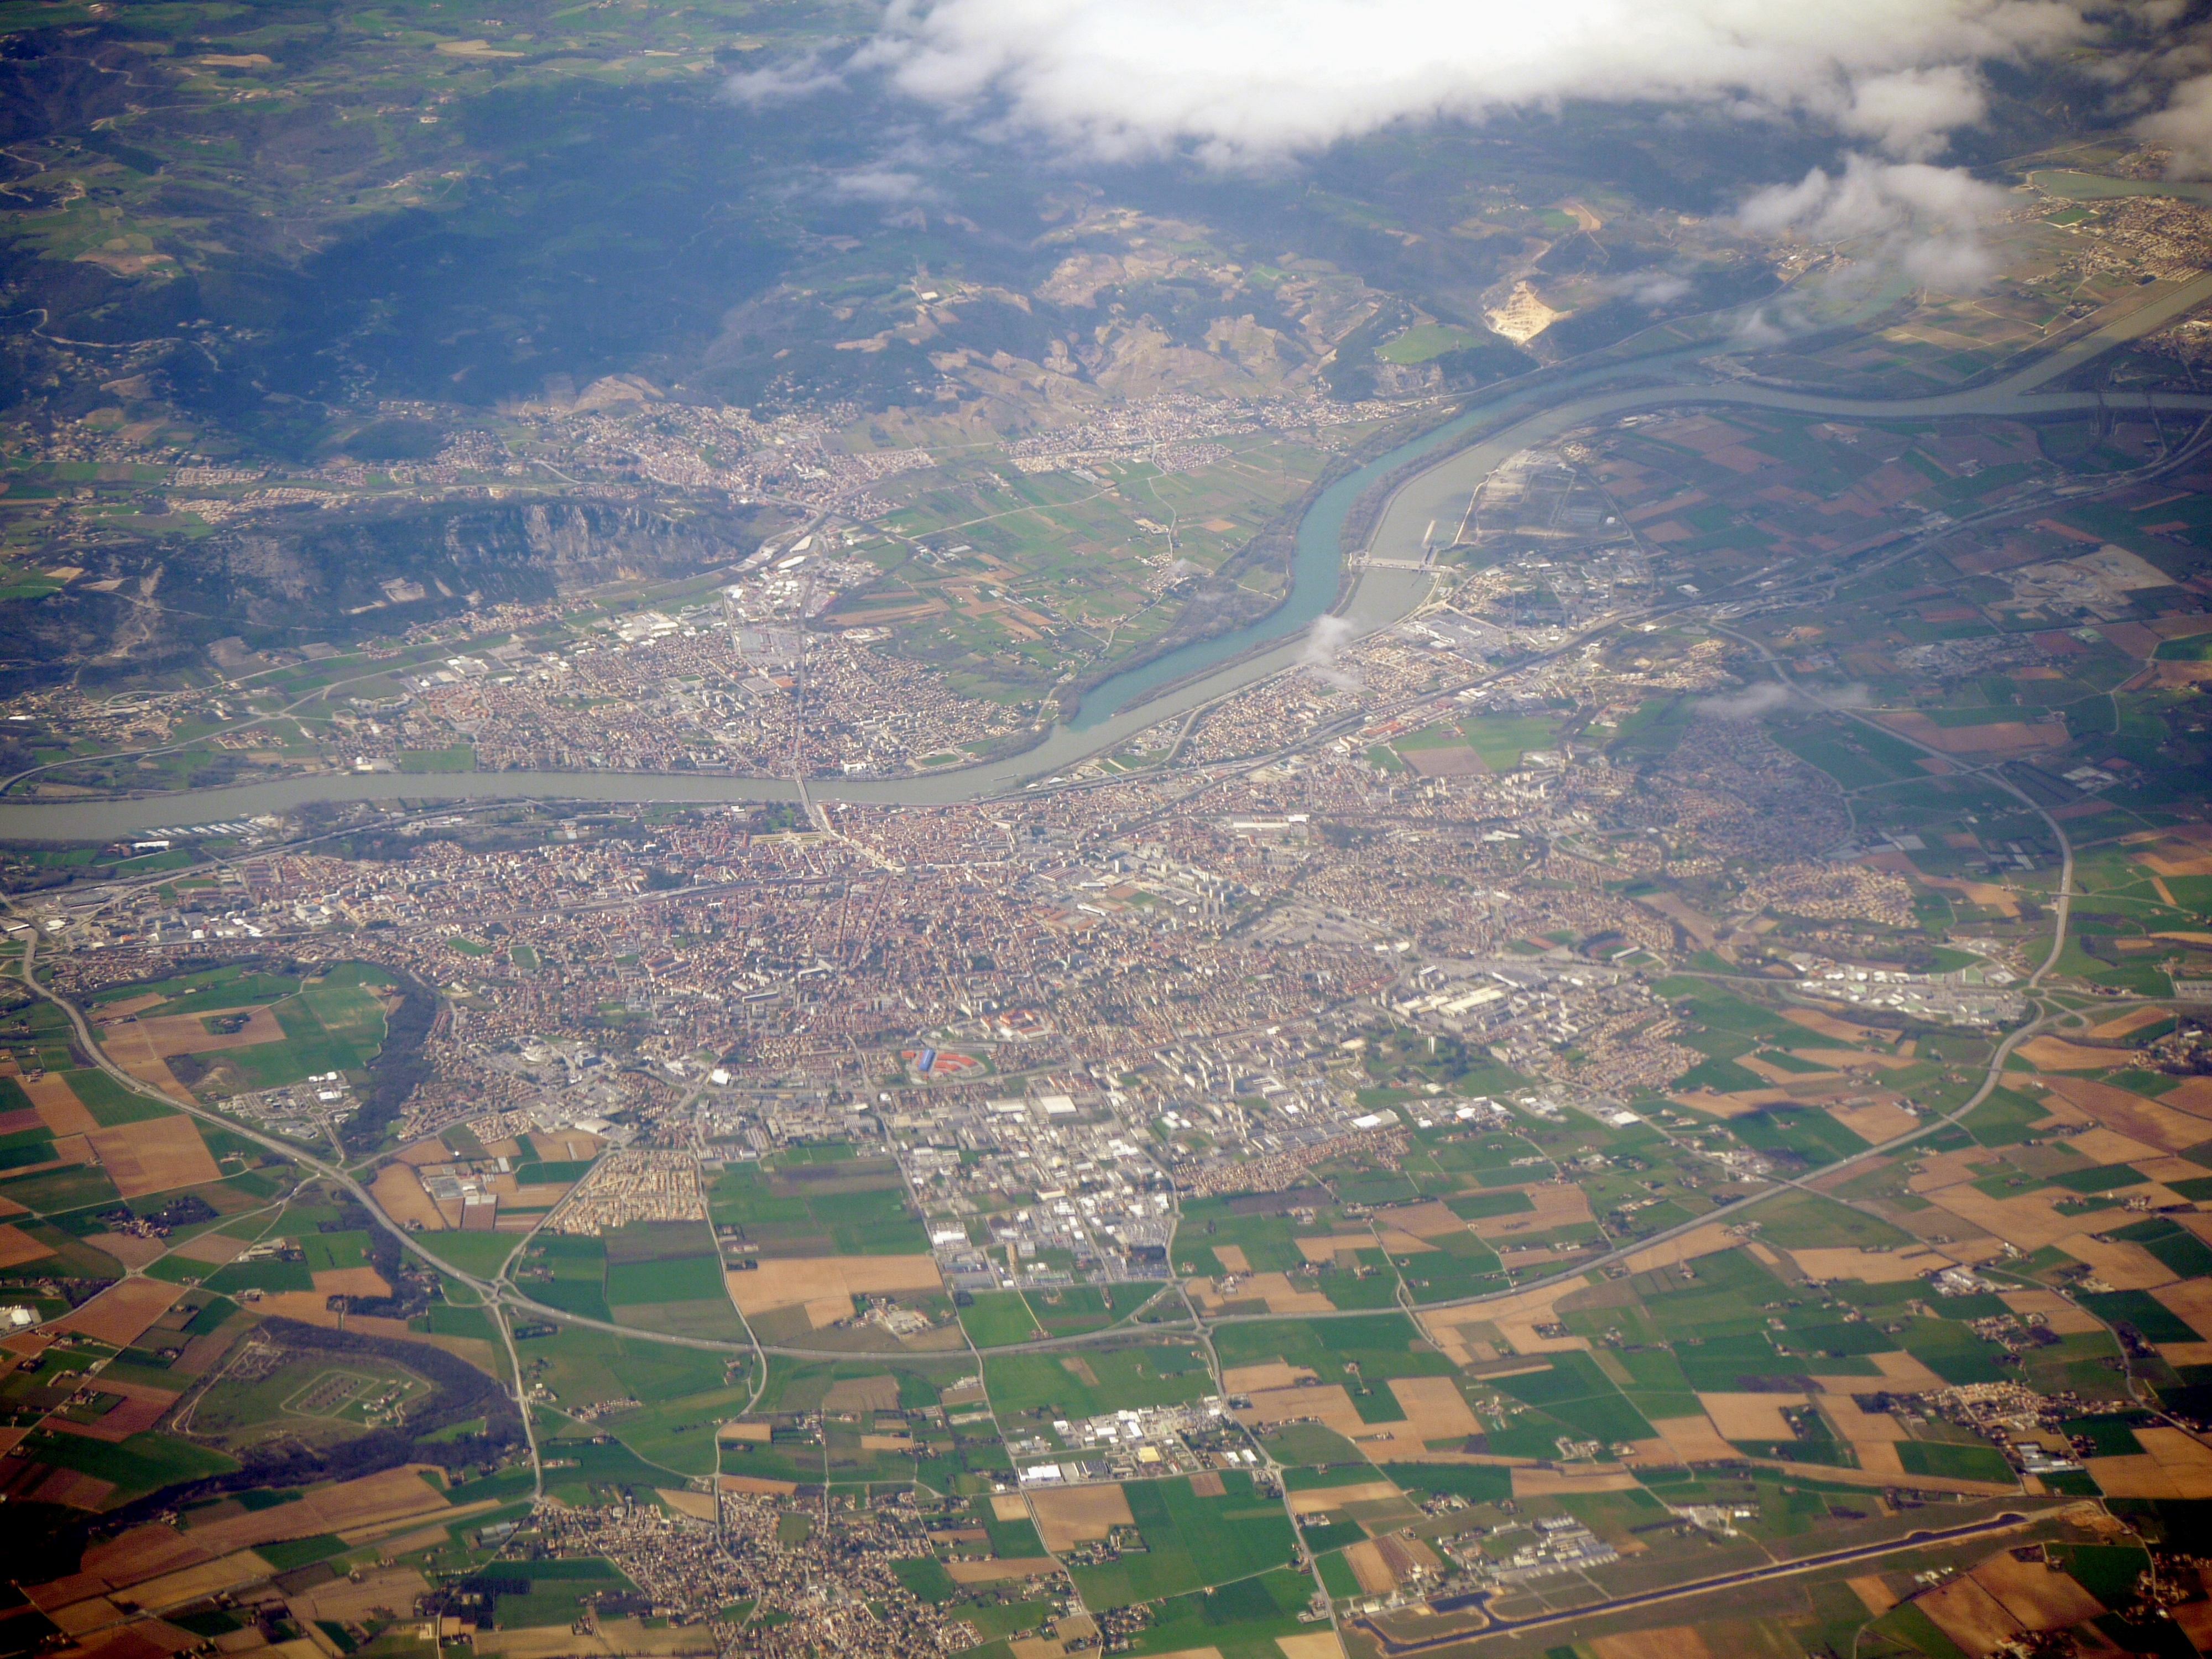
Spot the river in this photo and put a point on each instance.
(1118, 709)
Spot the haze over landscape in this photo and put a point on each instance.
(1033, 829)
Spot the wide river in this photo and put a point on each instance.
(1121, 707)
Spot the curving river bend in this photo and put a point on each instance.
(1121, 707)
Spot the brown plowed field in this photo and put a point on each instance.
(392, 1495)
(187, 1034)
(120, 1313)
(154, 1156)
(1076, 1513)
(399, 1191)
(57, 1106)
(1435, 1407)
(351, 1281)
(1969, 1615)
(17, 1246)
(825, 1285)
(1557, 1206)
(989, 1572)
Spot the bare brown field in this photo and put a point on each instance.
(1428, 1220)
(2191, 1301)
(1751, 1416)
(1704, 1241)
(2123, 1266)
(205, 1578)
(626, 1638)
(1876, 1122)
(392, 1495)
(1908, 1375)
(1330, 1406)
(71, 1489)
(2194, 1618)
(1076, 1513)
(754, 1484)
(142, 1552)
(1668, 1642)
(825, 1285)
(2037, 1598)
(312, 1308)
(1739, 1104)
(398, 1190)
(214, 1247)
(17, 1246)
(154, 1156)
(1869, 1267)
(1327, 1250)
(1010, 1506)
(1282, 1297)
(2051, 1053)
(1317, 1644)
(862, 1393)
(1324, 1498)
(1435, 1407)
(1999, 738)
(1878, 1456)
(2062, 1315)
(1232, 1259)
(346, 1601)
(1368, 1566)
(758, 1433)
(1208, 1483)
(1874, 1596)
(141, 1409)
(565, 1145)
(1274, 1374)
(127, 1046)
(1969, 1615)
(2030, 1221)
(2104, 1145)
(1857, 1426)
(1554, 1483)
(990, 1572)
(699, 1505)
(57, 1106)
(186, 1034)
(351, 1281)
(118, 1314)
(2150, 1121)
(1827, 1026)
(1694, 1439)
(2195, 1096)
(1558, 1205)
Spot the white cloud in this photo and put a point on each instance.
(783, 83)
(1241, 80)
(1926, 221)
(1912, 111)
(1329, 637)
(2184, 126)
(1766, 697)
(880, 184)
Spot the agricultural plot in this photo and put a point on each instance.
(1096, 1380)
(1191, 1540)
(667, 1276)
(225, 1031)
